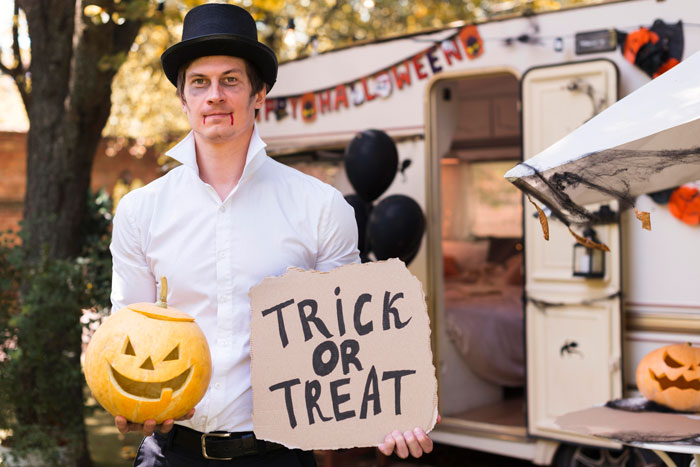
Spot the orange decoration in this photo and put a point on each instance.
(635, 40)
(684, 204)
(308, 107)
(670, 376)
(148, 361)
(472, 41)
(543, 219)
(644, 217)
(670, 63)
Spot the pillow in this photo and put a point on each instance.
(450, 268)
(514, 270)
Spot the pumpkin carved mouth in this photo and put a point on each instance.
(148, 390)
(680, 382)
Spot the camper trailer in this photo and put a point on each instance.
(523, 330)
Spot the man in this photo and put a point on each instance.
(228, 217)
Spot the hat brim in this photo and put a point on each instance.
(255, 52)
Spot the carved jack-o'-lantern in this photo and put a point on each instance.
(148, 361)
(671, 376)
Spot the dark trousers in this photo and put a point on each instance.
(153, 452)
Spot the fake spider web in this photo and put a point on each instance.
(609, 174)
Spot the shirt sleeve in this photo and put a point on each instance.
(132, 279)
(338, 236)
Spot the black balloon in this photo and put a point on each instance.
(662, 197)
(362, 210)
(410, 255)
(395, 228)
(371, 162)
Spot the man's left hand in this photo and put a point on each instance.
(414, 442)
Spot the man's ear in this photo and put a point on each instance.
(260, 98)
(183, 102)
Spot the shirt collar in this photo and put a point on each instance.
(184, 151)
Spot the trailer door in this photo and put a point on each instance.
(573, 336)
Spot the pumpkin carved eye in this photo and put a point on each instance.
(174, 354)
(129, 349)
(668, 360)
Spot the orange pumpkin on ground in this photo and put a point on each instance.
(148, 361)
(670, 376)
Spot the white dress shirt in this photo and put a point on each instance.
(212, 252)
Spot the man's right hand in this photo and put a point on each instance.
(149, 426)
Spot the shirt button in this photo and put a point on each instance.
(217, 386)
(222, 254)
(222, 209)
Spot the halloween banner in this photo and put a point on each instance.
(341, 359)
(466, 44)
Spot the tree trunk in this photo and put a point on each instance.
(73, 63)
(49, 182)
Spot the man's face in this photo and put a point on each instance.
(217, 98)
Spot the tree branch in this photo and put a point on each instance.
(15, 40)
(4, 69)
(18, 71)
(125, 34)
(326, 17)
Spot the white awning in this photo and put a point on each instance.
(646, 142)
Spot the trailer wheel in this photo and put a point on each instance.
(582, 456)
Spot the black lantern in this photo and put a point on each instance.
(589, 262)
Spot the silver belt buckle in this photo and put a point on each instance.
(204, 446)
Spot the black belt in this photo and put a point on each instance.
(217, 445)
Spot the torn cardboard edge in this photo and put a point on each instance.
(632, 427)
(331, 362)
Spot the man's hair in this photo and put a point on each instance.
(251, 72)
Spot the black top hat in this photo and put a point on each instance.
(220, 29)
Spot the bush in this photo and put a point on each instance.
(41, 381)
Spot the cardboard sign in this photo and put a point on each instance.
(340, 359)
(632, 427)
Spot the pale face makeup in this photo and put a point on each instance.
(217, 98)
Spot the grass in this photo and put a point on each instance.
(108, 447)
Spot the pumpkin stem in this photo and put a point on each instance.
(163, 298)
